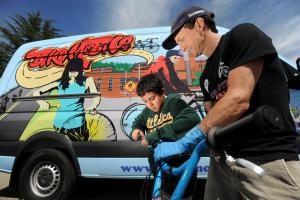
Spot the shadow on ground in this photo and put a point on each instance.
(104, 189)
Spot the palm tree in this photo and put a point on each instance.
(22, 30)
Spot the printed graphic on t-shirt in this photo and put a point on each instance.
(223, 70)
(218, 92)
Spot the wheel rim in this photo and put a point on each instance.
(45, 179)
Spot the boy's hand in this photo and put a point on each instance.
(137, 134)
(145, 142)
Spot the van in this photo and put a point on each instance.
(50, 135)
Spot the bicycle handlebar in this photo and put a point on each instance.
(263, 121)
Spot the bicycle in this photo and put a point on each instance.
(265, 119)
(147, 45)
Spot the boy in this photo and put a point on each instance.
(164, 118)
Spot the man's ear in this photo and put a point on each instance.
(199, 23)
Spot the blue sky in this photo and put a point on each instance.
(280, 19)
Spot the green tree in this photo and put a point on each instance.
(22, 30)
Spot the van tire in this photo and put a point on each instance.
(47, 174)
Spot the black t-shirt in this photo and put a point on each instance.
(237, 47)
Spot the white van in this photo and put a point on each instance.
(49, 136)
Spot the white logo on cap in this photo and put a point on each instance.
(196, 12)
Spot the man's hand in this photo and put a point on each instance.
(185, 144)
(137, 134)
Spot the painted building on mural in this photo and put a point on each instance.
(112, 84)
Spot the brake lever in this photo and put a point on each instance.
(245, 163)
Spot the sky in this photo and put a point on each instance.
(280, 19)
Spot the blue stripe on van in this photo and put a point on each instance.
(6, 163)
(125, 167)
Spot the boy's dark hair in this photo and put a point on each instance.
(149, 83)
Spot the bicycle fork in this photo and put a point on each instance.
(156, 194)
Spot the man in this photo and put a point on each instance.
(242, 72)
(164, 118)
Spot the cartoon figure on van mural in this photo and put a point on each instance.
(70, 117)
(165, 71)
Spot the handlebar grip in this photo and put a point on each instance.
(263, 121)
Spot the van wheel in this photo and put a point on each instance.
(47, 174)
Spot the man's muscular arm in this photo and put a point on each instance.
(240, 85)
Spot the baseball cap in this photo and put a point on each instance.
(186, 16)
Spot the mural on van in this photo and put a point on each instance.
(107, 67)
(84, 88)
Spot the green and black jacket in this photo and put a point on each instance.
(169, 124)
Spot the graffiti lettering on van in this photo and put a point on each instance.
(43, 66)
(92, 46)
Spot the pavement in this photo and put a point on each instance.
(5, 192)
(4, 179)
